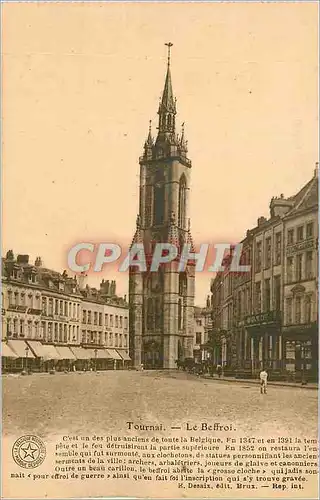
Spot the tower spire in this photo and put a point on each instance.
(148, 145)
(167, 107)
(149, 140)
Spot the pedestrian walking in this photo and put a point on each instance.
(263, 381)
(219, 370)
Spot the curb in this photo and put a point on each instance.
(256, 382)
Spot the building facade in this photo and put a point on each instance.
(51, 320)
(162, 303)
(105, 324)
(202, 329)
(274, 320)
(300, 306)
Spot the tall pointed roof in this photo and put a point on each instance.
(167, 100)
(168, 103)
(149, 140)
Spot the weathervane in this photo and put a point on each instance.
(169, 45)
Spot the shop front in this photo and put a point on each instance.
(67, 359)
(9, 358)
(101, 359)
(40, 354)
(300, 344)
(51, 357)
(264, 335)
(126, 360)
(26, 360)
(83, 358)
(116, 359)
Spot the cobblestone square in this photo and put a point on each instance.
(87, 403)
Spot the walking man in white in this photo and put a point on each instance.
(263, 381)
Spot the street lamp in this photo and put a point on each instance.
(95, 359)
(27, 352)
(303, 353)
(301, 346)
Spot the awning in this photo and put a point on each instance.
(65, 353)
(124, 355)
(50, 352)
(114, 355)
(37, 348)
(6, 352)
(99, 354)
(81, 353)
(21, 348)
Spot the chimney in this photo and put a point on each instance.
(113, 288)
(208, 301)
(82, 280)
(22, 259)
(10, 255)
(38, 262)
(261, 221)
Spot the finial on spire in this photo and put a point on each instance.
(169, 45)
(149, 140)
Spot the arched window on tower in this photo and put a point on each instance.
(182, 284)
(158, 315)
(158, 204)
(182, 201)
(150, 314)
(180, 315)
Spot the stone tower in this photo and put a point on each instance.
(161, 303)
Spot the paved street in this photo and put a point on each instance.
(102, 402)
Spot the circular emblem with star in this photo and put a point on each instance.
(29, 452)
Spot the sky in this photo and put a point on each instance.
(82, 81)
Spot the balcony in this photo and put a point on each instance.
(14, 307)
(60, 317)
(32, 310)
(308, 244)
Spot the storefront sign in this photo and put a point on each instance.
(262, 318)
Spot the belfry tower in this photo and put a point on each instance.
(161, 316)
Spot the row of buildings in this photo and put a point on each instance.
(266, 317)
(269, 316)
(51, 320)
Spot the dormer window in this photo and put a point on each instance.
(61, 286)
(33, 278)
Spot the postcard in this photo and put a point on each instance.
(160, 250)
